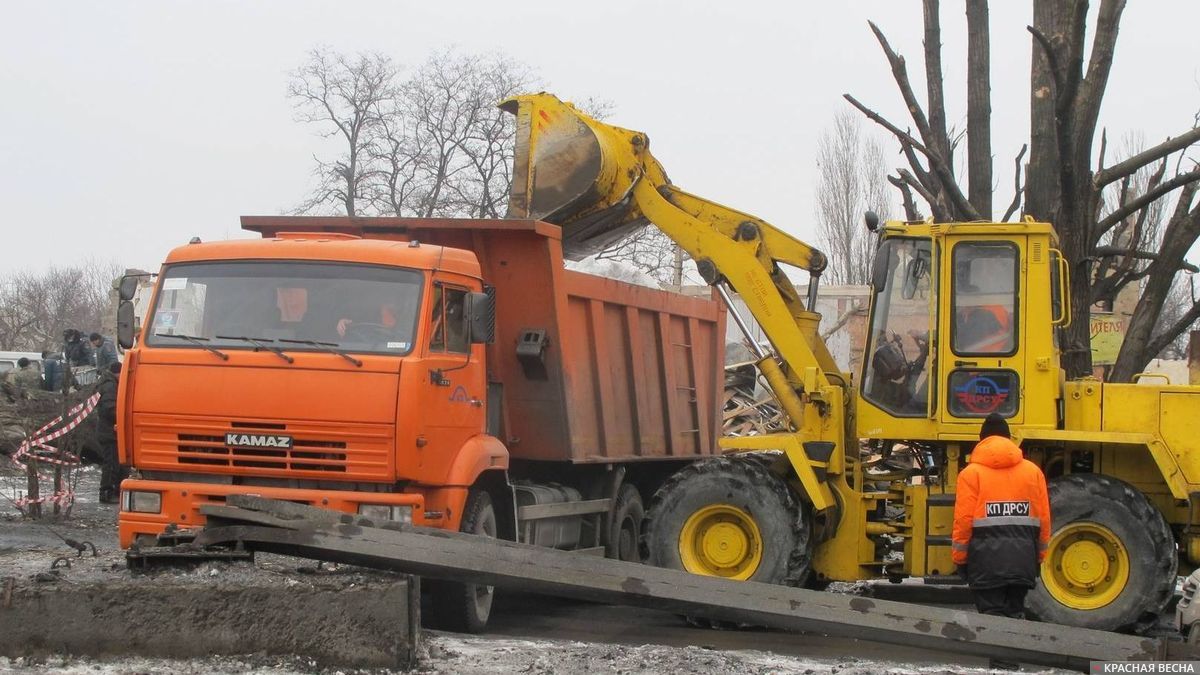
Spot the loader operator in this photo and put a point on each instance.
(1001, 522)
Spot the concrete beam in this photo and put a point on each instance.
(367, 626)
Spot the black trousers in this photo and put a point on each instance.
(1003, 601)
(111, 471)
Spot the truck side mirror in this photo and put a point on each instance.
(481, 318)
(125, 323)
(128, 287)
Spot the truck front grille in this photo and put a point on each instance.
(305, 454)
(319, 450)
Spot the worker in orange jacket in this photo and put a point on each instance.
(1001, 522)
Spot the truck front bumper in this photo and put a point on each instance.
(180, 504)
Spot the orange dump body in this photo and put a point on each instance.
(583, 370)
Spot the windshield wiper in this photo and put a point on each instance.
(198, 341)
(325, 346)
(259, 344)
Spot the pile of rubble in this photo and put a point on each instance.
(749, 408)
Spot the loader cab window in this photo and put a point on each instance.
(447, 313)
(896, 375)
(984, 291)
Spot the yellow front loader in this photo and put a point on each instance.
(963, 323)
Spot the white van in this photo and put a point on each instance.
(8, 360)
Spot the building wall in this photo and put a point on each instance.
(843, 312)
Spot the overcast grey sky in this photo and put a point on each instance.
(128, 127)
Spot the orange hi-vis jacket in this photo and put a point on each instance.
(1001, 516)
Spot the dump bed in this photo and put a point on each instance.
(588, 369)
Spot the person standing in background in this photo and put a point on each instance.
(105, 350)
(111, 471)
(76, 350)
(52, 366)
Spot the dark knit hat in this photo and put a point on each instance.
(994, 425)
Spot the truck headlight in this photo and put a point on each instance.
(399, 514)
(140, 501)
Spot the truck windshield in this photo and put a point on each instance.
(896, 372)
(355, 308)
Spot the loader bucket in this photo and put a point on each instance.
(575, 172)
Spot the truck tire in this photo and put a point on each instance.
(730, 517)
(629, 515)
(1111, 562)
(458, 606)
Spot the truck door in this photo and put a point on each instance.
(452, 398)
(982, 355)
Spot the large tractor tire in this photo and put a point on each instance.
(457, 606)
(1111, 561)
(730, 517)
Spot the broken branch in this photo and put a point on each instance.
(1129, 166)
(1020, 190)
(875, 117)
(911, 214)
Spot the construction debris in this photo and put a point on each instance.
(748, 410)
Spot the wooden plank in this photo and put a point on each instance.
(462, 557)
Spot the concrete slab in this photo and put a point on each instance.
(375, 625)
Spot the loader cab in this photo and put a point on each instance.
(962, 325)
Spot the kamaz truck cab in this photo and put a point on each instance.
(241, 381)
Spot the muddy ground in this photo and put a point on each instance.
(530, 634)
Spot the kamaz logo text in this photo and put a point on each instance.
(258, 440)
(996, 509)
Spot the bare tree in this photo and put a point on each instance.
(457, 144)
(1182, 296)
(343, 95)
(650, 251)
(851, 181)
(1114, 270)
(1061, 185)
(35, 308)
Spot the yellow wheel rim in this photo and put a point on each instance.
(1086, 566)
(721, 540)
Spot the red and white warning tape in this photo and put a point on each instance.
(36, 447)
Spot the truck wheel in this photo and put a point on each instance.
(624, 539)
(730, 517)
(463, 607)
(1111, 561)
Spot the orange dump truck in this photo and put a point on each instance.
(448, 373)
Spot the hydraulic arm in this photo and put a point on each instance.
(599, 182)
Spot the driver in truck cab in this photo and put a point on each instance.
(381, 315)
(1001, 522)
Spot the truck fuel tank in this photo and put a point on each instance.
(560, 532)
